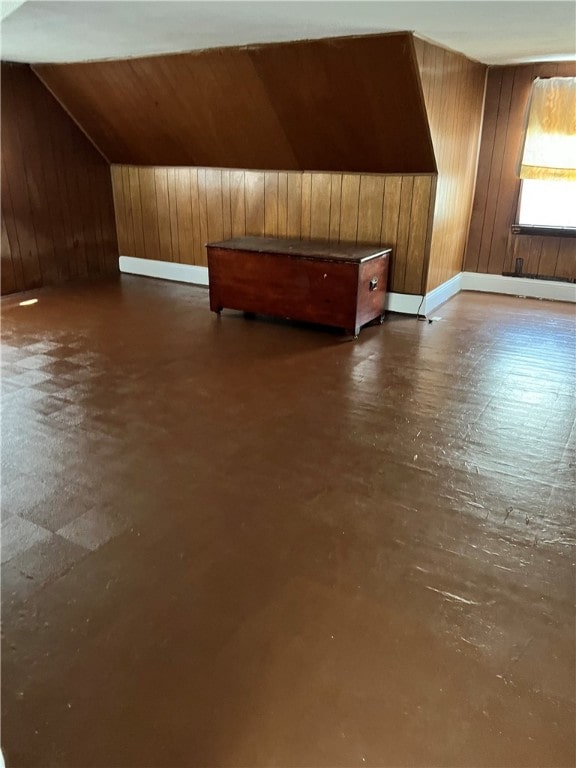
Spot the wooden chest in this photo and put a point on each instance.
(339, 285)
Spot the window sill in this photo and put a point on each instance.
(539, 231)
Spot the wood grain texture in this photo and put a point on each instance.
(212, 204)
(57, 207)
(288, 278)
(492, 247)
(453, 88)
(343, 104)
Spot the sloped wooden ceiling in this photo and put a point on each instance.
(343, 104)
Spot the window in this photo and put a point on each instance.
(547, 203)
(548, 166)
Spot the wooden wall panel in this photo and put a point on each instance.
(453, 88)
(57, 207)
(492, 247)
(206, 204)
(344, 104)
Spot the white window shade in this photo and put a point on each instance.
(550, 141)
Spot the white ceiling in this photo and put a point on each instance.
(493, 32)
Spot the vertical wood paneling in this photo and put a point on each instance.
(130, 237)
(404, 223)
(321, 187)
(9, 283)
(254, 202)
(163, 209)
(294, 217)
(566, 262)
(414, 275)
(194, 226)
(549, 255)
(214, 206)
(271, 204)
(349, 208)
(136, 207)
(498, 155)
(149, 208)
(305, 205)
(391, 209)
(173, 212)
(199, 205)
(282, 204)
(121, 209)
(492, 247)
(226, 214)
(370, 204)
(57, 208)
(335, 205)
(237, 204)
(453, 89)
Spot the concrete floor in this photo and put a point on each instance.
(249, 543)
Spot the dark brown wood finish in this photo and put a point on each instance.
(343, 286)
(321, 250)
(453, 88)
(57, 206)
(199, 204)
(344, 104)
(288, 537)
(492, 247)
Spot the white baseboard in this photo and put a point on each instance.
(404, 303)
(188, 273)
(518, 286)
(442, 293)
(165, 270)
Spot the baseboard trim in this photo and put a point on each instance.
(189, 273)
(442, 293)
(518, 286)
(165, 270)
(403, 303)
